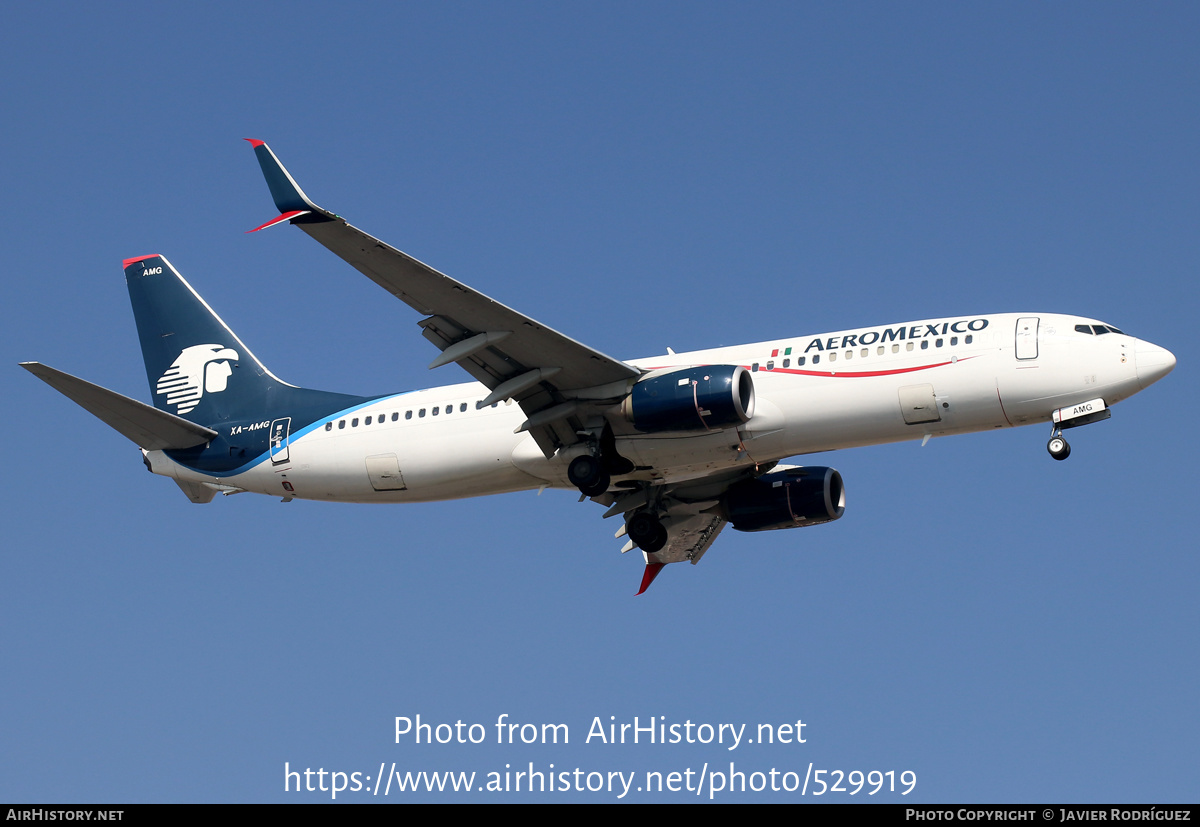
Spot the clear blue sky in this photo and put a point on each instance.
(638, 176)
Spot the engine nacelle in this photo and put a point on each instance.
(691, 399)
(787, 497)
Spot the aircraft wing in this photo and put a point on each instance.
(558, 381)
(143, 424)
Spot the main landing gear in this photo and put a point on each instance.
(592, 473)
(1057, 446)
(646, 531)
(588, 475)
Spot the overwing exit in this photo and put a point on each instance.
(676, 446)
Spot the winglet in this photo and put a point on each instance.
(289, 198)
(652, 570)
(287, 216)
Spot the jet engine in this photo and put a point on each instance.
(691, 399)
(787, 497)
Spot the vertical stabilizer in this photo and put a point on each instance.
(197, 367)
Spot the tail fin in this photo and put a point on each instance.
(197, 367)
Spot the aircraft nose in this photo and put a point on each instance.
(1153, 363)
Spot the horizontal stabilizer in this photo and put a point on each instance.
(146, 426)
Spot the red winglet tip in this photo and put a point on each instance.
(652, 570)
(125, 264)
(279, 219)
(254, 142)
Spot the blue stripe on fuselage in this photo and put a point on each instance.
(217, 458)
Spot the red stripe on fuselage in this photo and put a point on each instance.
(861, 373)
(842, 375)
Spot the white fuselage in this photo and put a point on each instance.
(813, 393)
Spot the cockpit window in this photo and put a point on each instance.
(1097, 329)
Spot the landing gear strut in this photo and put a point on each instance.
(1057, 446)
(588, 475)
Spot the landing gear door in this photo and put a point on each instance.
(280, 432)
(1027, 337)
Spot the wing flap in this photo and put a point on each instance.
(144, 425)
(689, 539)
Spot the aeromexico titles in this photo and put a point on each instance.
(674, 446)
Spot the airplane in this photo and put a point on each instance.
(677, 445)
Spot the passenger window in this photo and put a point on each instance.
(969, 338)
(354, 422)
(771, 365)
(329, 426)
(341, 423)
(787, 363)
(833, 357)
(754, 367)
(895, 348)
(435, 410)
(462, 408)
(924, 344)
(421, 412)
(879, 350)
(908, 346)
(938, 343)
(801, 360)
(953, 341)
(816, 358)
(396, 415)
(408, 414)
(866, 351)
(368, 422)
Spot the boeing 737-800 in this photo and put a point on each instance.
(677, 445)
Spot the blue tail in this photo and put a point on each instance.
(200, 370)
(197, 367)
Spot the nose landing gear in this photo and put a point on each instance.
(1057, 446)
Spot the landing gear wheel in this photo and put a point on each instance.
(646, 531)
(598, 487)
(1058, 448)
(659, 540)
(586, 474)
